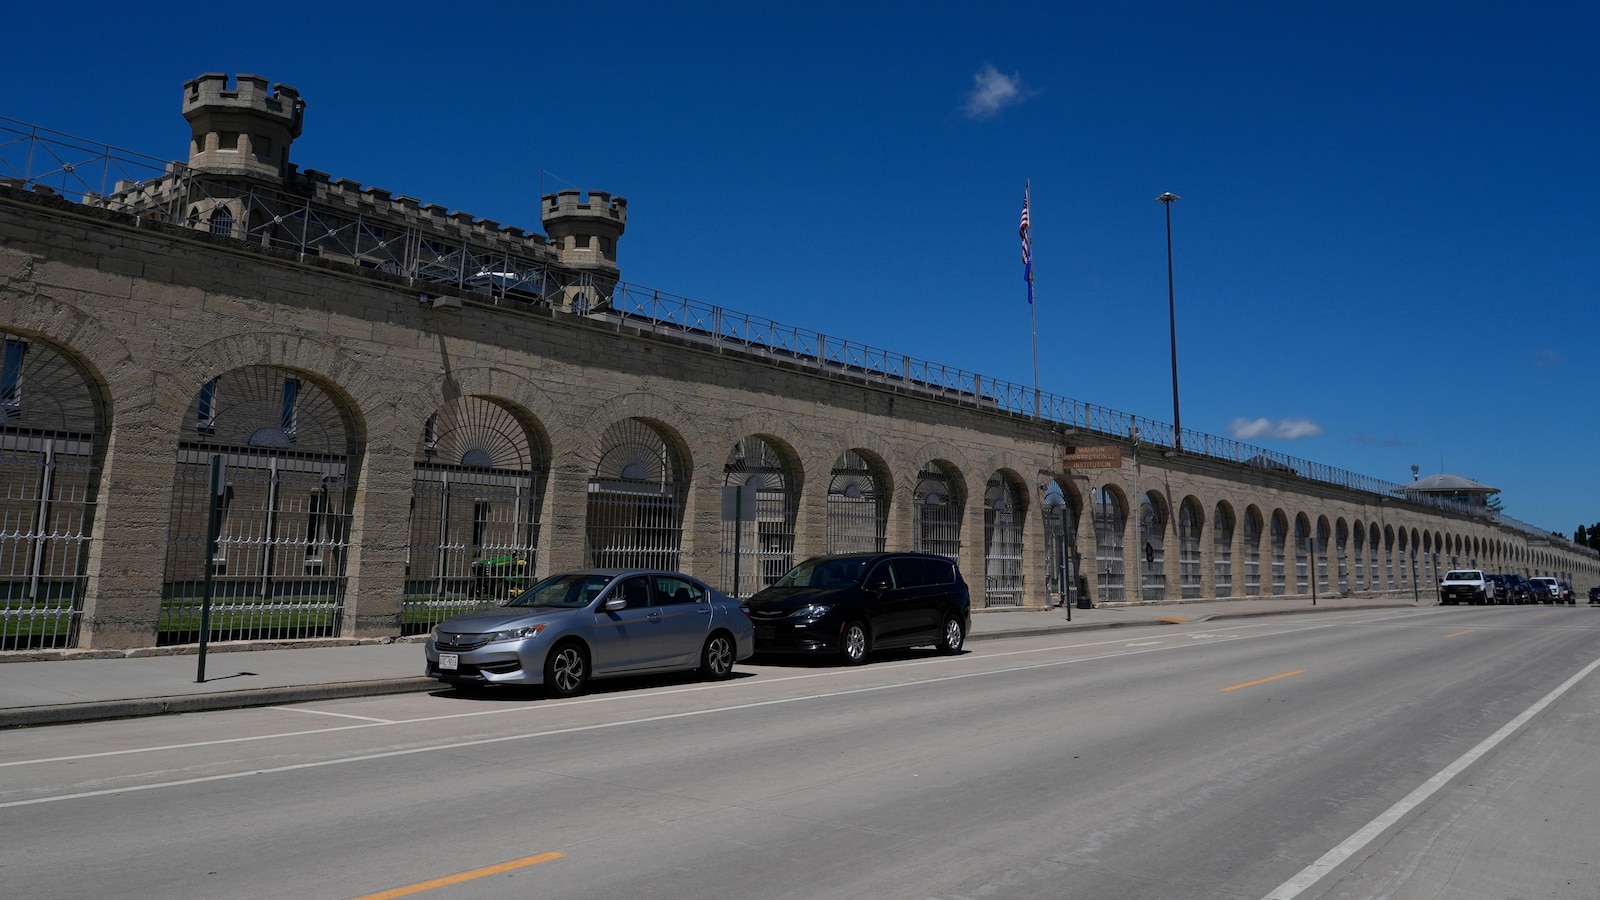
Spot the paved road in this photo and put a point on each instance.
(1219, 759)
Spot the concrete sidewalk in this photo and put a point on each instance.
(65, 687)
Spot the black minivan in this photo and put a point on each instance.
(853, 603)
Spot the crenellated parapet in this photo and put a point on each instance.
(243, 128)
(381, 206)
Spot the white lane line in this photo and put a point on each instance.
(1370, 832)
(836, 673)
(340, 715)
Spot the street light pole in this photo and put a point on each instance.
(1172, 324)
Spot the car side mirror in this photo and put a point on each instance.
(880, 585)
(615, 603)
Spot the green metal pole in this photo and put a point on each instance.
(214, 512)
(738, 533)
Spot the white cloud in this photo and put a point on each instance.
(993, 91)
(1283, 429)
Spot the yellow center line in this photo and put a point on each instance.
(1265, 680)
(1460, 633)
(460, 877)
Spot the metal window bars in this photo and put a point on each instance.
(52, 435)
(936, 513)
(760, 501)
(476, 490)
(634, 516)
(858, 506)
(1002, 543)
(1222, 552)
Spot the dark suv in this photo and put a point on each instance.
(1517, 589)
(851, 604)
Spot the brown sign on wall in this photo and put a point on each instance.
(1105, 457)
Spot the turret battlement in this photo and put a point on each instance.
(583, 232)
(600, 204)
(211, 91)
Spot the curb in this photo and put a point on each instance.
(68, 713)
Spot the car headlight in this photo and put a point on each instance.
(517, 634)
(813, 611)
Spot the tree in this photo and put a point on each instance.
(1581, 536)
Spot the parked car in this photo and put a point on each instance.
(1568, 596)
(1539, 591)
(1502, 587)
(851, 604)
(569, 628)
(1466, 585)
(1552, 585)
(1594, 596)
(1517, 587)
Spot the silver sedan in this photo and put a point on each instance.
(575, 626)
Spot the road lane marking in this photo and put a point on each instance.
(1460, 633)
(1265, 680)
(339, 715)
(461, 877)
(1370, 832)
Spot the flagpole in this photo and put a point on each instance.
(1026, 231)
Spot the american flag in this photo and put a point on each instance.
(1025, 229)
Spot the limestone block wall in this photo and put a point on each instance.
(152, 316)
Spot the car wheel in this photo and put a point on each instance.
(954, 635)
(853, 644)
(566, 670)
(716, 657)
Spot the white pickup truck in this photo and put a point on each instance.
(1469, 585)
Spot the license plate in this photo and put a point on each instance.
(766, 632)
(449, 662)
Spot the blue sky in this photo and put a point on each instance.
(1383, 256)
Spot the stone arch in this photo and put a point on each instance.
(1060, 507)
(55, 416)
(938, 502)
(1154, 518)
(1358, 555)
(1005, 508)
(1110, 511)
(1252, 527)
(1303, 553)
(1190, 526)
(285, 445)
(1224, 528)
(480, 470)
(761, 486)
(858, 502)
(637, 489)
(1279, 540)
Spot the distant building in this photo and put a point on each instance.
(1451, 489)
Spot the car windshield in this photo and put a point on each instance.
(826, 573)
(1464, 575)
(569, 591)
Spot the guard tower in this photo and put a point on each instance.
(584, 235)
(243, 131)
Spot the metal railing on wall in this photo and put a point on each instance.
(100, 175)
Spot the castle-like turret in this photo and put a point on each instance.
(584, 233)
(245, 130)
